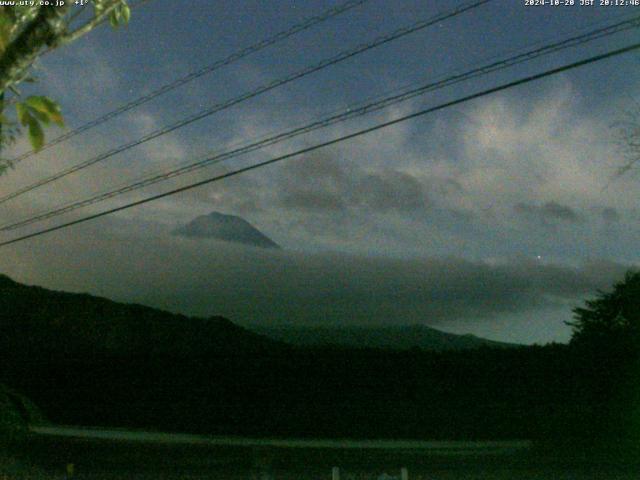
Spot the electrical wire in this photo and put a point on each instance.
(249, 95)
(334, 141)
(325, 122)
(232, 58)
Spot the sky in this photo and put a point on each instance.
(494, 217)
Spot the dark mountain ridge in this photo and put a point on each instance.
(397, 337)
(34, 319)
(37, 319)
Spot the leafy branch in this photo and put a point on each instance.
(27, 33)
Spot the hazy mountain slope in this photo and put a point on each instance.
(392, 337)
(229, 228)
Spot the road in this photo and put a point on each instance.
(460, 447)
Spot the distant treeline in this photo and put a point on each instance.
(530, 392)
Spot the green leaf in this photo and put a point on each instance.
(44, 104)
(40, 116)
(36, 135)
(6, 22)
(98, 7)
(114, 19)
(23, 112)
(126, 13)
(120, 15)
(47, 107)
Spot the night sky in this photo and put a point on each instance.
(494, 217)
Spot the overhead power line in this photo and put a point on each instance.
(232, 58)
(330, 120)
(254, 93)
(334, 141)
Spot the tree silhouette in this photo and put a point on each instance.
(606, 337)
(611, 321)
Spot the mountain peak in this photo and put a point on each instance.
(229, 228)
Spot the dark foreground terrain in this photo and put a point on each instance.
(85, 360)
(189, 457)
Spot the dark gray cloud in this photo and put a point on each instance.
(390, 190)
(324, 183)
(270, 287)
(610, 215)
(300, 199)
(548, 212)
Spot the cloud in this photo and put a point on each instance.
(390, 190)
(531, 148)
(271, 287)
(420, 190)
(441, 195)
(323, 183)
(610, 215)
(550, 211)
(299, 199)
